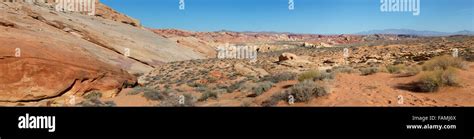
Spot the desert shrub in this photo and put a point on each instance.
(220, 90)
(201, 89)
(208, 94)
(262, 87)
(194, 84)
(396, 69)
(276, 78)
(402, 69)
(431, 81)
(449, 77)
(444, 62)
(96, 103)
(234, 87)
(412, 70)
(93, 95)
(369, 70)
(275, 98)
(325, 76)
(344, 69)
(306, 90)
(315, 75)
(135, 91)
(138, 89)
(154, 94)
(309, 75)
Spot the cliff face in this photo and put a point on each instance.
(47, 54)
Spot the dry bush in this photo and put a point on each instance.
(344, 69)
(315, 75)
(207, 95)
(444, 62)
(369, 71)
(396, 69)
(309, 75)
(276, 78)
(262, 87)
(431, 81)
(306, 90)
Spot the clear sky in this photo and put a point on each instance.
(308, 16)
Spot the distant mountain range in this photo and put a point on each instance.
(416, 32)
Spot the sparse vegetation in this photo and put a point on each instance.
(274, 99)
(344, 69)
(403, 69)
(369, 71)
(208, 94)
(96, 103)
(412, 70)
(306, 90)
(276, 78)
(155, 94)
(93, 95)
(315, 75)
(262, 87)
(438, 72)
(443, 63)
(431, 81)
(396, 69)
(234, 86)
(309, 75)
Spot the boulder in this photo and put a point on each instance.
(287, 56)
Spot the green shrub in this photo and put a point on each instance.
(444, 62)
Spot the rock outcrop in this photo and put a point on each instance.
(46, 54)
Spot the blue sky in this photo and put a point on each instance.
(309, 16)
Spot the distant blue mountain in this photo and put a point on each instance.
(415, 32)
